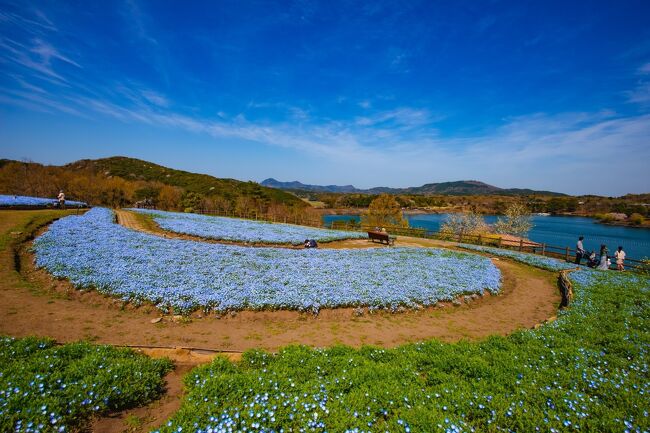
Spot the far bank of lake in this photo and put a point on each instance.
(559, 231)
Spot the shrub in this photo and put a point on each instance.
(637, 219)
(604, 217)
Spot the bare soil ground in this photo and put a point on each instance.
(34, 303)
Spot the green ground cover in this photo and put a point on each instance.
(48, 388)
(587, 371)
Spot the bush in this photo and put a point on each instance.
(604, 217)
(636, 219)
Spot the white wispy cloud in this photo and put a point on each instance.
(155, 98)
(47, 52)
(400, 117)
(36, 24)
(641, 94)
(644, 69)
(557, 150)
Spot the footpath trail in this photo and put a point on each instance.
(144, 224)
(34, 303)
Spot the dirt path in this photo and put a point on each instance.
(143, 223)
(36, 304)
(33, 303)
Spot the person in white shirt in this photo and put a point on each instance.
(620, 258)
(61, 198)
(580, 251)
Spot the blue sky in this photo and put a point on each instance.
(547, 94)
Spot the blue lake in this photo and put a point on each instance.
(561, 231)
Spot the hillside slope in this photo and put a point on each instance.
(138, 170)
(120, 181)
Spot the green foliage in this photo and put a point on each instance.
(191, 201)
(120, 181)
(384, 210)
(587, 371)
(558, 204)
(61, 386)
(604, 218)
(149, 192)
(203, 184)
(637, 219)
(517, 221)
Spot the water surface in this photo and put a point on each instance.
(561, 231)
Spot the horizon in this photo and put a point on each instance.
(545, 96)
(327, 184)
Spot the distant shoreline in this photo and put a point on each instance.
(359, 211)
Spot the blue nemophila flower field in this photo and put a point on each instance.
(48, 388)
(587, 371)
(20, 200)
(92, 251)
(242, 230)
(548, 263)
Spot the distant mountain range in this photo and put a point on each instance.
(462, 187)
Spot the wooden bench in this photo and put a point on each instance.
(381, 237)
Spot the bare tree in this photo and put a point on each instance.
(468, 223)
(516, 221)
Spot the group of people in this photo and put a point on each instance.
(604, 261)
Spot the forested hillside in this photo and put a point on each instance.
(120, 181)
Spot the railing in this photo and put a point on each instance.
(566, 253)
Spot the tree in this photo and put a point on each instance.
(458, 224)
(384, 211)
(517, 221)
(169, 197)
(191, 201)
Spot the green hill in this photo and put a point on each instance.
(132, 169)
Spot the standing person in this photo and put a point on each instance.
(603, 257)
(580, 250)
(61, 198)
(620, 258)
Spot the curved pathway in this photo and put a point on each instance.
(33, 303)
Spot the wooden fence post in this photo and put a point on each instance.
(566, 255)
(499, 244)
(479, 239)
(521, 244)
(543, 249)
